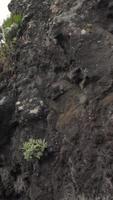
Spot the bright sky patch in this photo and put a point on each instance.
(4, 12)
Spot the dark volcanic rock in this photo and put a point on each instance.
(61, 91)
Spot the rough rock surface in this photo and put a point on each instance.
(61, 90)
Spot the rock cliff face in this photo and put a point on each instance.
(61, 89)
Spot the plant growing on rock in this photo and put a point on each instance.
(34, 148)
(10, 27)
(8, 33)
(13, 19)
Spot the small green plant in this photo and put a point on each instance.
(9, 31)
(11, 26)
(34, 148)
(13, 19)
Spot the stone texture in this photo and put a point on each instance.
(60, 90)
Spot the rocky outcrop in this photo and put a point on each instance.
(61, 90)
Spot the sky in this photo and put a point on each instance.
(4, 10)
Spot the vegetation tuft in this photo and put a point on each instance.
(34, 148)
(8, 31)
(13, 19)
(11, 26)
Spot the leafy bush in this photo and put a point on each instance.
(13, 19)
(10, 33)
(10, 27)
(34, 148)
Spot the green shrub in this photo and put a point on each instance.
(10, 33)
(34, 148)
(10, 27)
(13, 19)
